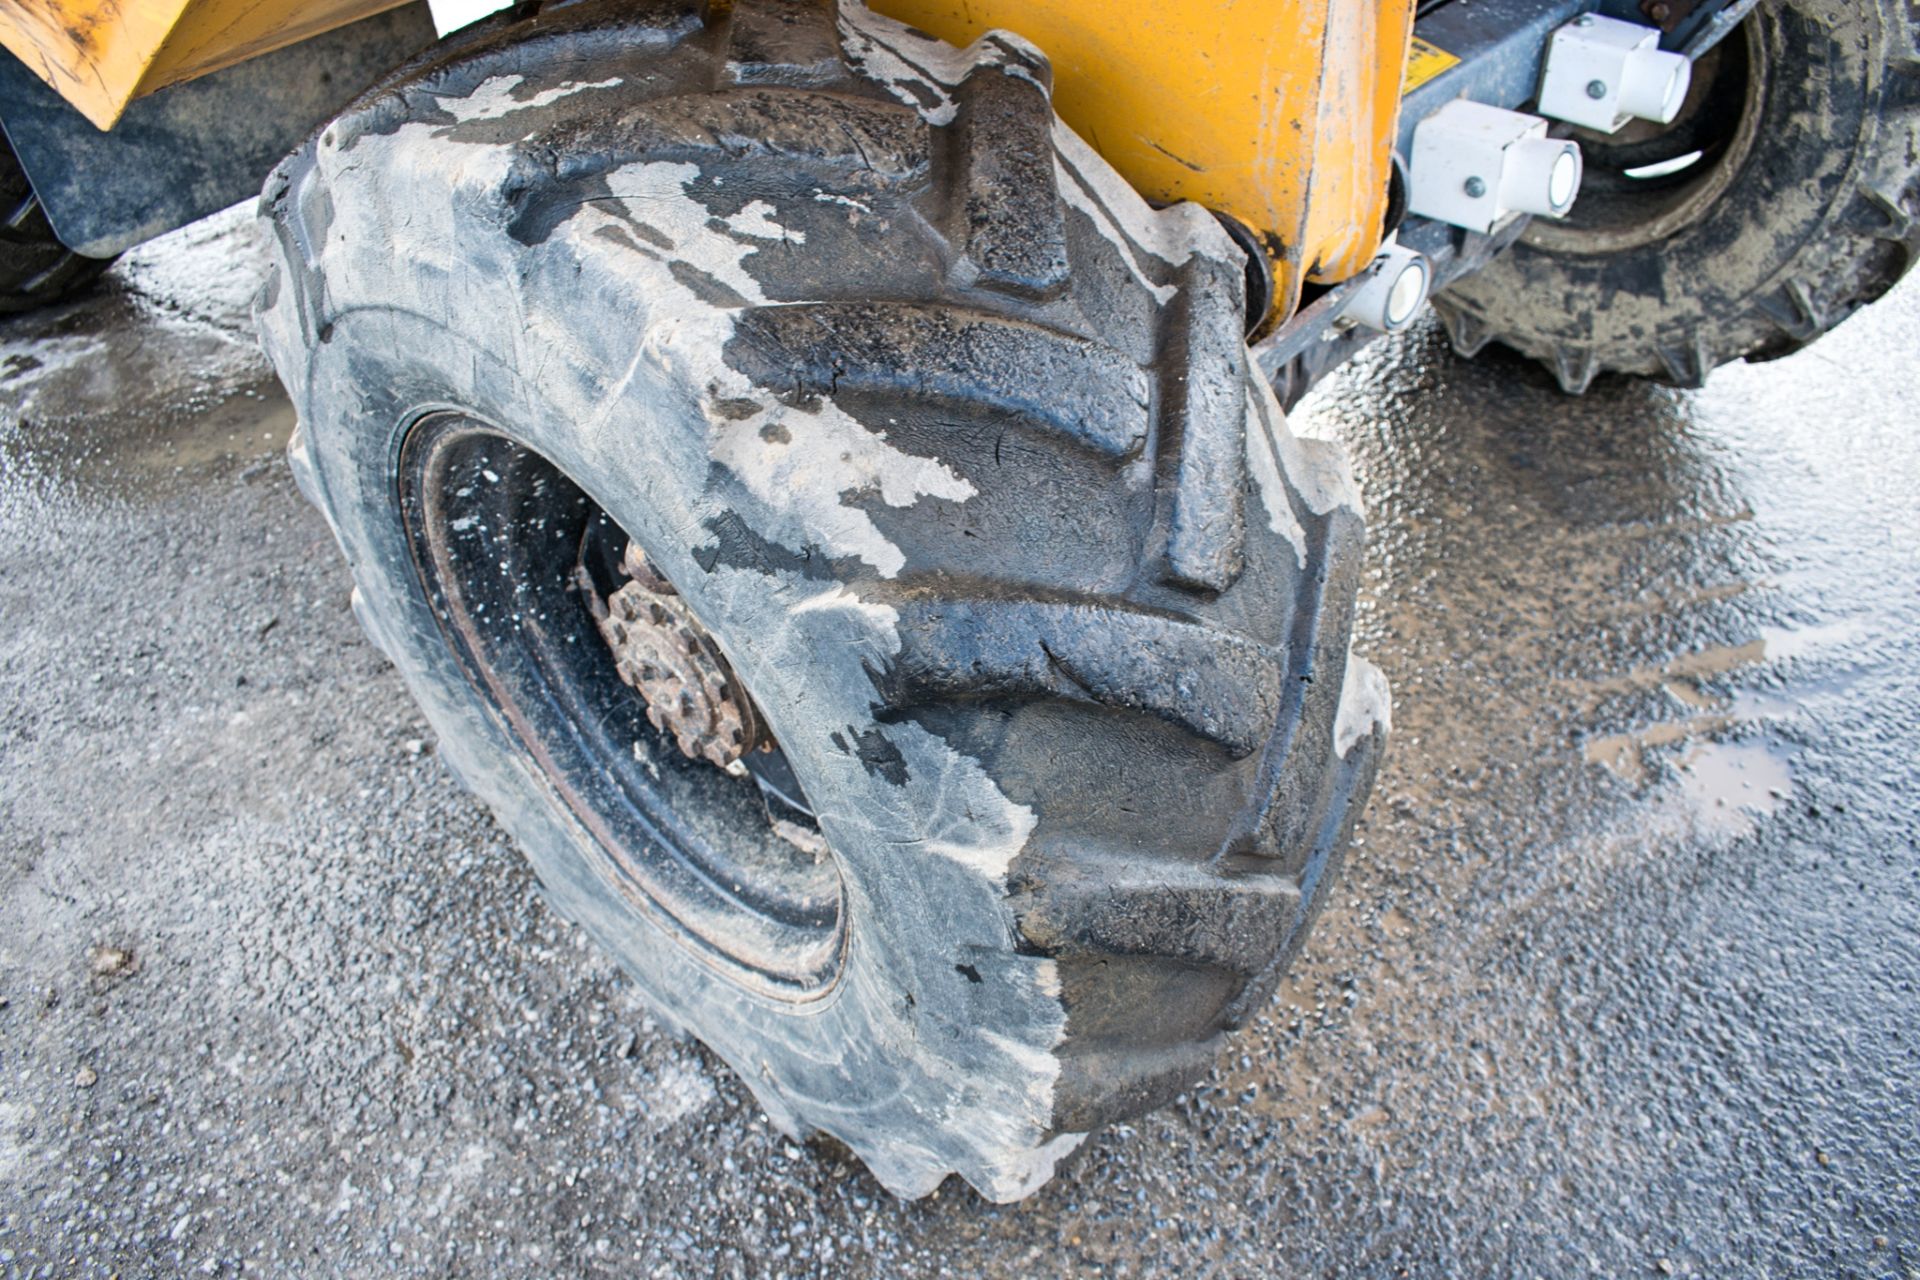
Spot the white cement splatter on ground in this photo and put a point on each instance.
(462, 1173)
(676, 1092)
(14, 1118)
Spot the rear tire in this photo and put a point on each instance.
(955, 449)
(36, 270)
(1800, 211)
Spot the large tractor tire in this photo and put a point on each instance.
(836, 525)
(1798, 211)
(36, 270)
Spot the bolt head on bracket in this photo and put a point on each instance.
(1475, 166)
(1602, 73)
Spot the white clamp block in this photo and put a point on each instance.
(1602, 73)
(1474, 166)
(1395, 290)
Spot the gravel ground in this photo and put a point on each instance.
(1620, 980)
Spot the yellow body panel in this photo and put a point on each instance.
(212, 34)
(1278, 112)
(102, 54)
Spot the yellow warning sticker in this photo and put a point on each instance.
(1424, 62)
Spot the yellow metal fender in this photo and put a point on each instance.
(102, 54)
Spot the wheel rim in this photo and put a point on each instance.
(1640, 187)
(500, 537)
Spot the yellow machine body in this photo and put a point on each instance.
(102, 54)
(1279, 113)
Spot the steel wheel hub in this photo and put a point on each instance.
(662, 652)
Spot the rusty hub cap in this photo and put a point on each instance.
(662, 651)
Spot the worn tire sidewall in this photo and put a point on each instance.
(902, 1027)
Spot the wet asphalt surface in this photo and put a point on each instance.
(1620, 981)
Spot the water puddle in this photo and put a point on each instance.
(1704, 713)
(155, 375)
(171, 324)
(1731, 787)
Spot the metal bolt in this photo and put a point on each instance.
(1659, 13)
(1474, 187)
(1596, 89)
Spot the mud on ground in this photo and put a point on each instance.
(1620, 979)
